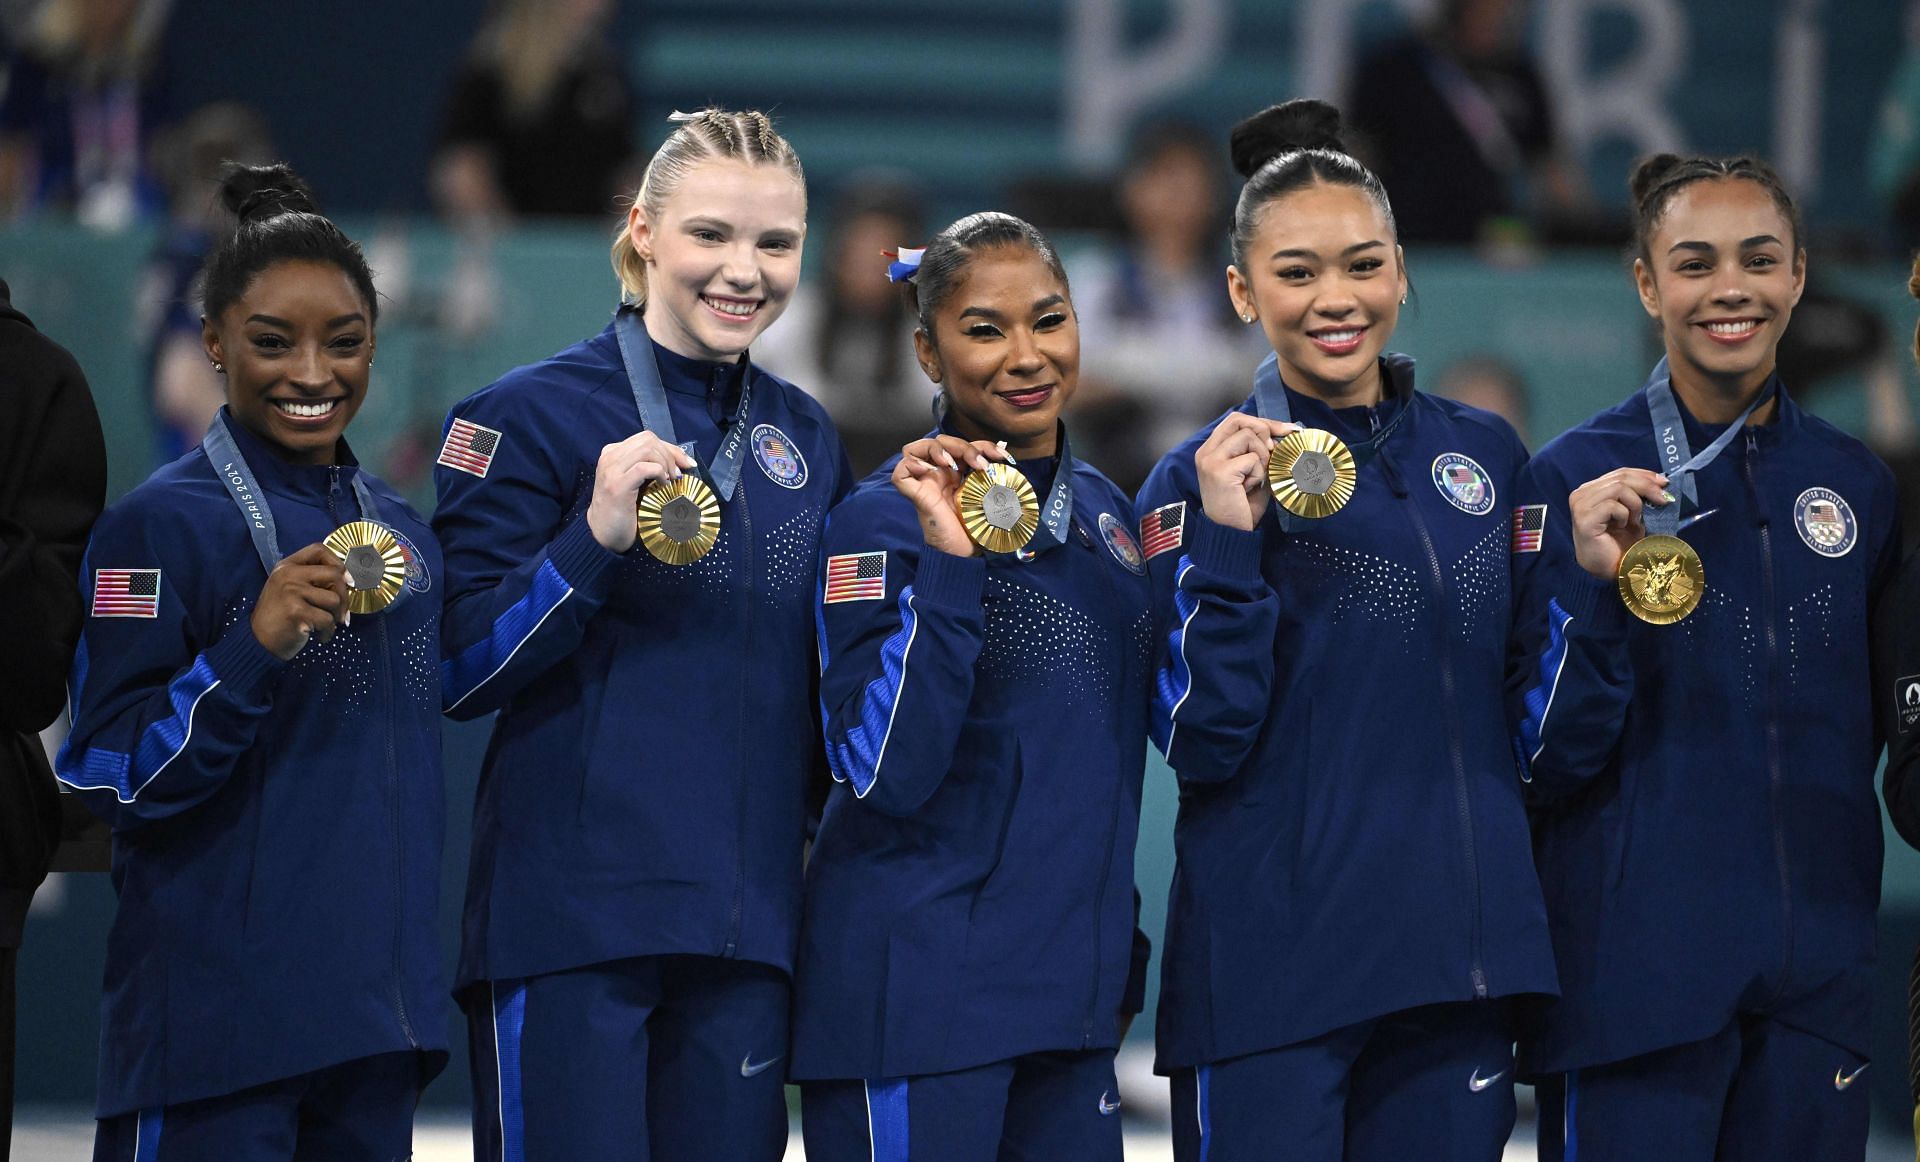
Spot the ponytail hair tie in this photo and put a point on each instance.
(905, 264)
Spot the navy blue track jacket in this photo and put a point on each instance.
(645, 790)
(970, 894)
(277, 825)
(1707, 833)
(1352, 839)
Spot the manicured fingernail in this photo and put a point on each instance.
(1666, 497)
(951, 462)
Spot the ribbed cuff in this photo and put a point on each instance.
(1595, 605)
(239, 660)
(945, 579)
(1230, 554)
(578, 556)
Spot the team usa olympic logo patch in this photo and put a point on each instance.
(1464, 483)
(1120, 543)
(418, 579)
(1825, 521)
(778, 457)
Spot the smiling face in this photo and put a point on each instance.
(1324, 279)
(1722, 277)
(1006, 348)
(296, 345)
(722, 256)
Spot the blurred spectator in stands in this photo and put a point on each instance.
(182, 386)
(1162, 352)
(1486, 381)
(847, 338)
(1457, 124)
(79, 108)
(1893, 160)
(540, 120)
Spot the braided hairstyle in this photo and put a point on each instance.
(277, 222)
(746, 136)
(1288, 147)
(1657, 180)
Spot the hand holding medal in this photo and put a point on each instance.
(305, 596)
(625, 469)
(1660, 576)
(934, 474)
(1234, 466)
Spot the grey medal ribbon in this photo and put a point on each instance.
(1678, 463)
(223, 452)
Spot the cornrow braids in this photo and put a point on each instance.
(1657, 180)
(713, 132)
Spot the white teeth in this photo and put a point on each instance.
(728, 308)
(1337, 336)
(1744, 327)
(306, 411)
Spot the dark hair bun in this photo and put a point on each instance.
(1647, 176)
(261, 191)
(1303, 123)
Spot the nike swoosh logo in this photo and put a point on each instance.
(1105, 1109)
(1476, 1083)
(751, 1068)
(1843, 1079)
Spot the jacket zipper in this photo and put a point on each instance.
(1449, 699)
(1101, 885)
(1772, 711)
(746, 726)
(393, 796)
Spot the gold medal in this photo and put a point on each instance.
(1661, 579)
(376, 570)
(678, 520)
(1311, 473)
(999, 508)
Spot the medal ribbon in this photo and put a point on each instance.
(1678, 463)
(231, 467)
(1270, 400)
(1056, 516)
(650, 397)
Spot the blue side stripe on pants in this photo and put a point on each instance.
(887, 1120)
(1203, 1081)
(146, 1135)
(509, 1021)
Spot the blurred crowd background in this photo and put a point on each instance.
(481, 151)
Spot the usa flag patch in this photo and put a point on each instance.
(1529, 526)
(856, 577)
(1163, 528)
(126, 593)
(469, 448)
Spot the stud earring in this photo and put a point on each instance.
(1247, 318)
(1403, 300)
(219, 368)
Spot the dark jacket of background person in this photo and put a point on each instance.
(1454, 138)
(53, 480)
